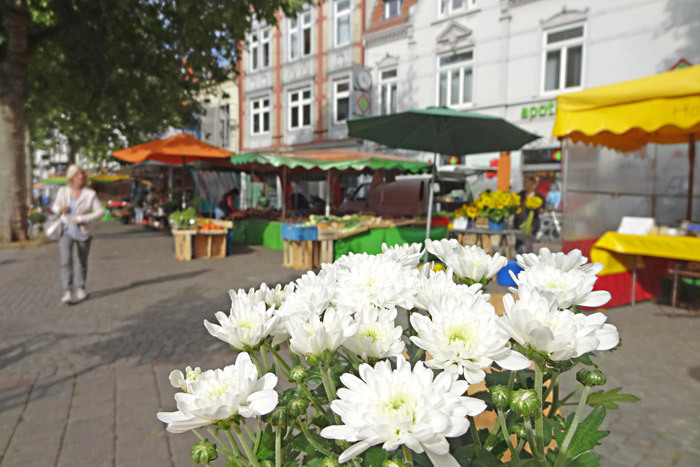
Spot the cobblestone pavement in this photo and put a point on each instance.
(80, 385)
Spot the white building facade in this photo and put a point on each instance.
(511, 58)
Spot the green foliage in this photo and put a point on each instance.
(587, 435)
(609, 399)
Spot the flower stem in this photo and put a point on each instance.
(234, 446)
(257, 364)
(220, 446)
(561, 458)
(264, 359)
(519, 447)
(407, 455)
(539, 418)
(554, 390)
(199, 435)
(279, 359)
(314, 443)
(246, 446)
(319, 407)
(417, 356)
(475, 436)
(329, 386)
(278, 447)
(492, 436)
(258, 436)
(511, 380)
(506, 435)
(531, 441)
(571, 394)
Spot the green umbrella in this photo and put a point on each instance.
(443, 131)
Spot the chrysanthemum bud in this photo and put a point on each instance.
(525, 401)
(278, 417)
(520, 431)
(297, 407)
(500, 395)
(330, 462)
(591, 377)
(313, 360)
(203, 452)
(393, 463)
(297, 374)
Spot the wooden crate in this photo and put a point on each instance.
(298, 255)
(183, 244)
(210, 245)
(322, 252)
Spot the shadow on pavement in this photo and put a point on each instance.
(155, 280)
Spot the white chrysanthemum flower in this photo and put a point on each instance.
(402, 407)
(315, 335)
(463, 337)
(180, 381)
(468, 262)
(562, 261)
(567, 288)
(248, 324)
(370, 281)
(311, 297)
(433, 285)
(406, 255)
(275, 297)
(222, 393)
(376, 336)
(535, 320)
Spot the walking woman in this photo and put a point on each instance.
(81, 206)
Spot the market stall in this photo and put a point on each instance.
(629, 150)
(305, 242)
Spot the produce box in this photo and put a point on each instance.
(299, 232)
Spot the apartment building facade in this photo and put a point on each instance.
(301, 79)
(511, 58)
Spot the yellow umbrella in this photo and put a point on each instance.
(663, 109)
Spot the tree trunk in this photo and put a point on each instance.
(72, 151)
(13, 85)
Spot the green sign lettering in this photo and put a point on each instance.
(535, 111)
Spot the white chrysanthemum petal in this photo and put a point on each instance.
(404, 406)
(220, 394)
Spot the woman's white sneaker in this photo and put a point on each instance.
(67, 298)
(80, 294)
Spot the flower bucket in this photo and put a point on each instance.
(503, 275)
(496, 226)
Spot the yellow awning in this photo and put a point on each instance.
(618, 252)
(663, 108)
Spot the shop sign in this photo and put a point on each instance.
(538, 111)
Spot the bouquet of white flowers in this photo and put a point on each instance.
(365, 390)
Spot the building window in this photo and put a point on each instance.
(260, 116)
(448, 7)
(299, 109)
(563, 58)
(388, 83)
(342, 22)
(259, 49)
(265, 47)
(224, 126)
(341, 102)
(254, 51)
(299, 34)
(392, 8)
(455, 76)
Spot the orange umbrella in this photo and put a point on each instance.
(177, 150)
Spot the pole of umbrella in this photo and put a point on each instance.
(691, 172)
(430, 206)
(284, 192)
(330, 191)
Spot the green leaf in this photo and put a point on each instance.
(587, 434)
(523, 463)
(497, 377)
(609, 399)
(587, 459)
(266, 450)
(375, 455)
(585, 359)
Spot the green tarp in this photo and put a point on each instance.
(258, 232)
(269, 234)
(371, 240)
(356, 161)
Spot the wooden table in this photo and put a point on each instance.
(483, 238)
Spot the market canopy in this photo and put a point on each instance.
(663, 108)
(176, 150)
(93, 178)
(441, 130)
(325, 159)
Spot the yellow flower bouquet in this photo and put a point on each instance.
(532, 204)
(497, 205)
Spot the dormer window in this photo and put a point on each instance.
(392, 8)
(449, 7)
